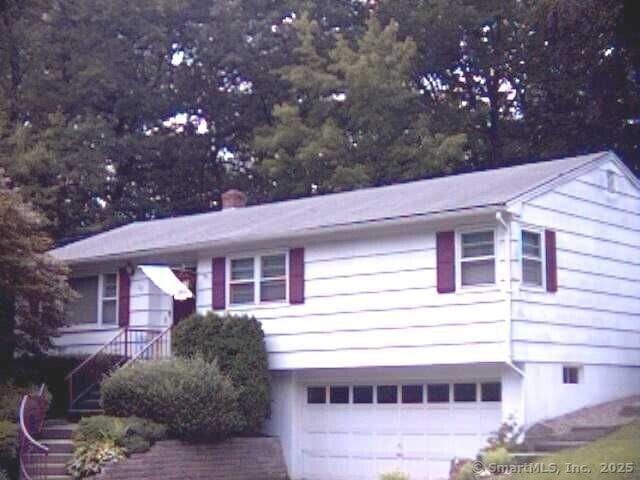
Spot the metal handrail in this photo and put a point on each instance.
(151, 345)
(30, 448)
(94, 354)
(113, 354)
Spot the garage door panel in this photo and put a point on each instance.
(412, 443)
(387, 442)
(438, 420)
(315, 442)
(464, 444)
(362, 441)
(340, 442)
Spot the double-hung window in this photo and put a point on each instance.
(273, 278)
(260, 279)
(109, 300)
(97, 302)
(242, 282)
(477, 258)
(531, 258)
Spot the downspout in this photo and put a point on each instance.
(507, 290)
(509, 324)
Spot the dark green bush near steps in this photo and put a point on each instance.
(237, 344)
(49, 369)
(189, 395)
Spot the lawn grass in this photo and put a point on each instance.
(621, 447)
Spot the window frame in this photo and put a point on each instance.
(543, 259)
(579, 374)
(460, 260)
(102, 299)
(99, 323)
(257, 279)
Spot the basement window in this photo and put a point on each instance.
(570, 375)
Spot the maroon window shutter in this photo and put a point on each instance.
(218, 300)
(124, 289)
(446, 261)
(296, 275)
(551, 260)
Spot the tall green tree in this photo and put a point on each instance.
(528, 79)
(33, 286)
(353, 117)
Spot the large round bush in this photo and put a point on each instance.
(237, 344)
(189, 395)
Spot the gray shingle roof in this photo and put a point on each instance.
(275, 220)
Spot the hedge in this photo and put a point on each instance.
(237, 344)
(190, 396)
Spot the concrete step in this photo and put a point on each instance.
(55, 469)
(56, 457)
(76, 414)
(59, 477)
(88, 404)
(61, 431)
(59, 446)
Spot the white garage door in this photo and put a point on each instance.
(361, 431)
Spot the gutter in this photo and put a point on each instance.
(286, 238)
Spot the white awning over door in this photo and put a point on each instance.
(164, 278)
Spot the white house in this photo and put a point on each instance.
(403, 323)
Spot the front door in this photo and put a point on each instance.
(183, 308)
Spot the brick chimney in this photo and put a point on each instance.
(233, 199)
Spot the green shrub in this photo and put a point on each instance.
(394, 476)
(89, 458)
(8, 442)
(190, 396)
(11, 397)
(498, 456)
(465, 472)
(237, 344)
(49, 369)
(133, 434)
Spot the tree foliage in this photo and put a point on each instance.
(33, 285)
(353, 117)
(120, 111)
